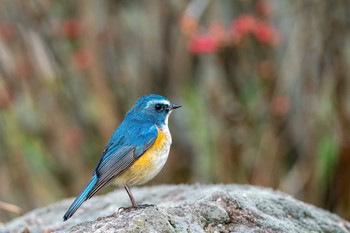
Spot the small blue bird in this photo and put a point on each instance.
(136, 152)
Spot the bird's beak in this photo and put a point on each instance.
(173, 106)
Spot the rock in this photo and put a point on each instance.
(185, 208)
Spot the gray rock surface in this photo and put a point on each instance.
(185, 208)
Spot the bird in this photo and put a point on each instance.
(136, 151)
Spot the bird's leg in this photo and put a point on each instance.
(132, 199)
(133, 202)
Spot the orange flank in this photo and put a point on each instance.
(147, 165)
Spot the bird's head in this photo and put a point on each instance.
(153, 108)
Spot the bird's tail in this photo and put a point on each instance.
(81, 198)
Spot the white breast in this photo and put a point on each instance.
(161, 156)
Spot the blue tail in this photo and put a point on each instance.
(81, 198)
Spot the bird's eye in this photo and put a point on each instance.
(159, 107)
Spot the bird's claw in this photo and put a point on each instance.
(136, 207)
(147, 205)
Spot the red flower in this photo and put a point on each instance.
(268, 34)
(244, 25)
(82, 60)
(203, 44)
(218, 32)
(263, 31)
(71, 28)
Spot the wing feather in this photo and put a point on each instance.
(119, 156)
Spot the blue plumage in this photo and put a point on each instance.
(81, 198)
(135, 135)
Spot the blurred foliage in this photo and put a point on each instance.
(264, 86)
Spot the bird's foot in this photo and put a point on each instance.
(136, 207)
(146, 206)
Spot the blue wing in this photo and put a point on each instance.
(120, 154)
(127, 144)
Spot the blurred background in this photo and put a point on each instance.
(264, 86)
